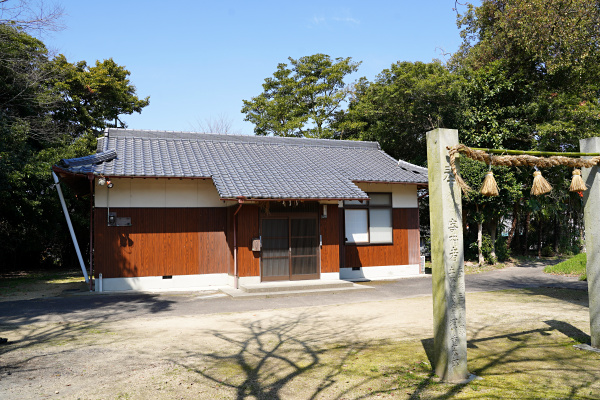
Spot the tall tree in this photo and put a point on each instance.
(301, 99)
(219, 124)
(544, 57)
(498, 107)
(531, 81)
(405, 101)
(555, 36)
(481, 211)
(93, 97)
(39, 125)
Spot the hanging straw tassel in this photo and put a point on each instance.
(489, 187)
(540, 185)
(577, 184)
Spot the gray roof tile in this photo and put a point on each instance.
(251, 166)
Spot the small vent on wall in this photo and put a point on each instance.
(167, 276)
(355, 268)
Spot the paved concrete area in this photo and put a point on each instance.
(353, 345)
(208, 345)
(295, 288)
(90, 306)
(286, 286)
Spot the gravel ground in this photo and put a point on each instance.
(276, 353)
(66, 343)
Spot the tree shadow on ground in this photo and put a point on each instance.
(573, 296)
(43, 329)
(97, 305)
(276, 357)
(533, 262)
(527, 352)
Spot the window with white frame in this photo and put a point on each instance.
(369, 221)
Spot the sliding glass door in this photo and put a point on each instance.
(290, 248)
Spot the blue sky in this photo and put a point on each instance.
(198, 60)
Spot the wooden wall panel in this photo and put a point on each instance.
(411, 216)
(213, 254)
(403, 251)
(229, 232)
(248, 228)
(161, 241)
(330, 255)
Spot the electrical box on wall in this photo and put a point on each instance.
(113, 220)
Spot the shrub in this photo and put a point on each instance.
(486, 249)
(573, 266)
(502, 250)
(547, 251)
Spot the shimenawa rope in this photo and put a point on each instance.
(516, 161)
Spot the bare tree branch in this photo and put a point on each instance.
(32, 16)
(219, 124)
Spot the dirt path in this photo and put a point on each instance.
(299, 353)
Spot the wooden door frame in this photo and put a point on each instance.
(289, 217)
(272, 278)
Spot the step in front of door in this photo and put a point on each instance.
(286, 286)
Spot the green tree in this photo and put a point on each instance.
(480, 211)
(400, 106)
(93, 98)
(26, 128)
(538, 63)
(302, 99)
(531, 81)
(552, 36)
(39, 125)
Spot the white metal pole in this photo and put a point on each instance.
(64, 207)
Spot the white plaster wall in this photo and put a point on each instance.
(184, 192)
(403, 196)
(152, 192)
(147, 193)
(120, 194)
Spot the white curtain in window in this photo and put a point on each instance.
(356, 226)
(380, 221)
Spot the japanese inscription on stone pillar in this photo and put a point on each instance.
(450, 334)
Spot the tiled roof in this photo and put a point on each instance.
(97, 158)
(257, 167)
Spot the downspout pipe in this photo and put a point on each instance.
(91, 179)
(236, 277)
(68, 218)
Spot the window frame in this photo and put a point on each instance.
(366, 205)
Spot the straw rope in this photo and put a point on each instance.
(513, 161)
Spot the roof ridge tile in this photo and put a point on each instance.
(278, 140)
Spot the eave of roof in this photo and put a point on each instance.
(254, 167)
(79, 183)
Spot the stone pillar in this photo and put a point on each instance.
(447, 257)
(591, 210)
